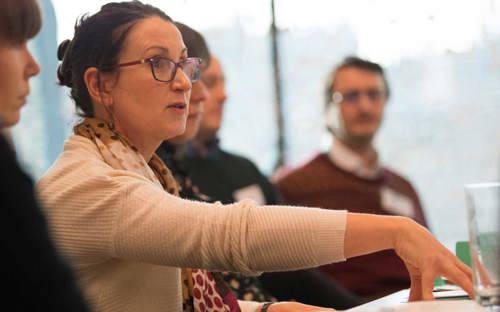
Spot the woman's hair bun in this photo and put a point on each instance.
(64, 70)
(62, 49)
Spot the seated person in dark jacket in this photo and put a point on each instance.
(226, 177)
(351, 176)
(34, 275)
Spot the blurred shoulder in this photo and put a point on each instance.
(397, 179)
(306, 171)
(237, 160)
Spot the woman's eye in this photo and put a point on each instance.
(157, 62)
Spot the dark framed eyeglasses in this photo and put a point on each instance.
(353, 96)
(164, 70)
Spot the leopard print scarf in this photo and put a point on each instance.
(199, 288)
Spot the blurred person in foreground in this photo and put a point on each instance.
(35, 276)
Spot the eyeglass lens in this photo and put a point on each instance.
(165, 70)
(354, 96)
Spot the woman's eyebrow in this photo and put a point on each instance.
(163, 50)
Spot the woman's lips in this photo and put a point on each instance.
(23, 100)
(178, 107)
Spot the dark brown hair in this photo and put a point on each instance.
(97, 42)
(20, 20)
(195, 43)
(352, 62)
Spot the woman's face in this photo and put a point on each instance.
(143, 108)
(199, 94)
(17, 66)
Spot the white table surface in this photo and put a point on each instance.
(398, 302)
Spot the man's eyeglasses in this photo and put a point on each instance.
(164, 70)
(353, 97)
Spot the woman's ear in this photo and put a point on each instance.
(98, 86)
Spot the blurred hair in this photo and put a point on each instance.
(20, 20)
(352, 62)
(195, 43)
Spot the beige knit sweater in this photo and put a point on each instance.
(127, 238)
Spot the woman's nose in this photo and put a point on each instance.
(32, 67)
(181, 81)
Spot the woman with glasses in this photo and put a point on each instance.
(113, 203)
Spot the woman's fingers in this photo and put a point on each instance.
(427, 282)
(422, 280)
(426, 259)
(464, 268)
(416, 283)
(458, 277)
(415, 289)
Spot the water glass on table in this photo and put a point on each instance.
(483, 213)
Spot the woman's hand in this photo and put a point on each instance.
(426, 258)
(290, 306)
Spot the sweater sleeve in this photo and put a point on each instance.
(117, 213)
(156, 227)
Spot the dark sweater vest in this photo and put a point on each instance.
(320, 183)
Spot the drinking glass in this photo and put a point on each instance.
(483, 212)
